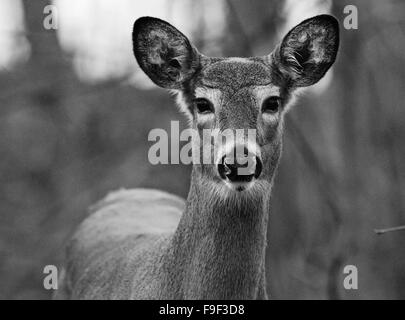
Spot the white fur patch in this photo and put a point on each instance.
(213, 95)
(263, 92)
(182, 105)
(237, 59)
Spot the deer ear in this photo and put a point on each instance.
(308, 50)
(163, 52)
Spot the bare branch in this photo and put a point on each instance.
(381, 231)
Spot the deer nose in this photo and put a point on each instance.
(240, 168)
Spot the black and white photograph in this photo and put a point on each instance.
(216, 150)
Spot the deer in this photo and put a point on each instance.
(149, 244)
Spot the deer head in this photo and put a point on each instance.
(229, 94)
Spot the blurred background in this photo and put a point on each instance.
(75, 113)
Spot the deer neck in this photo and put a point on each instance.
(218, 250)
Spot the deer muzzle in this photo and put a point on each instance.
(239, 166)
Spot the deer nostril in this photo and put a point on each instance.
(259, 167)
(223, 169)
(230, 169)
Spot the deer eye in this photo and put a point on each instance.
(271, 104)
(203, 105)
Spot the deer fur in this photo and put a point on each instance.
(148, 244)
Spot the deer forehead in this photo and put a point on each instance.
(235, 73)
(236, 81)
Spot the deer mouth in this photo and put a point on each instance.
(241, 184)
